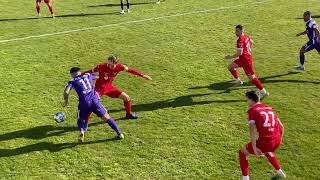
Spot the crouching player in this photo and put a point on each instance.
(89, 101)
(262, 119)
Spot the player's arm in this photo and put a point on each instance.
(237, 54)
(316, 30)
(302, 33)
(281, 126)
(66, 95)
(137, 73)
(253, 138)
(94, 70)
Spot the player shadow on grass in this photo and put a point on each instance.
(61, 16)
(227, 86)
(47, 146)
(118, 4)
(181, 101)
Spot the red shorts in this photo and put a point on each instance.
(246, 64)
(46, 1)
(265, 146)
(110, 91)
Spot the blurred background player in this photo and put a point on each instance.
(107, 73)
(314, 38)
(48, 2)
(263, 120)
(244, 55)
(89, 101)
(122, 6)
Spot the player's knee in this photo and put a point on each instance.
(251, 77)
(302, 51)
(244, 151)
(124, 97)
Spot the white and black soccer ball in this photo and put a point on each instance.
(59, 117)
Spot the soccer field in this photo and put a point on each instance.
(193, 122)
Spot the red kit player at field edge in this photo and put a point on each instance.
(263, 120)
(107, 73)
(244, 55)
(48, 2)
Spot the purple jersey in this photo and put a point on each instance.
(310, 28)
(83, 85)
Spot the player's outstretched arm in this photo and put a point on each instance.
(253, 138)
(66, 96)
(137, 73)
(301, 33)
(237, 54)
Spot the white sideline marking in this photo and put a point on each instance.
(128, 22)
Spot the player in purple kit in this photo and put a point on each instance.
(314, 38)
(89, 101)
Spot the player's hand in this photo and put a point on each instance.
(146, 77)
(228, 57)
(257, 152)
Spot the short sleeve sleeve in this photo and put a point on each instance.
(92, 76)
(120, 67)
(251, 117)
(69, 85)
(239, 43)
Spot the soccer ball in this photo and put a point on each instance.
(59, 117)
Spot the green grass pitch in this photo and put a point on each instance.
(192, 123)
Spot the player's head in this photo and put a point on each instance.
(112, 61)
(239, 30)
(306, 16)
(253, 97)
(74, 72)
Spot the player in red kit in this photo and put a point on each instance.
(263, 120)
(48, 2)
(244, 55)
(107, 73)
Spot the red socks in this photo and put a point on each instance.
(127, 106)
(234, 73)
(273, 160)
(244, 164)
(257, 83)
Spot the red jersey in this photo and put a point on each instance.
(106, 74)
(245, 43)
(266, 121)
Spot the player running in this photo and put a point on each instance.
(48, 2)
(107, 73)
(244, 55)
(89, 101)
(122, 6)
(262, 119)
(314, 38)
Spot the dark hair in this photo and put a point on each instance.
(239, 27)
(113, 58)
(74, 69)
(253, 95)
(308, 13)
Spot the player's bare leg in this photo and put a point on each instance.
(110, 121)
(50, 9)
(302, 59)
(81, 126)
(38, 8)
(233, 70)
(81, 137)
(127, 106)
(259, 85)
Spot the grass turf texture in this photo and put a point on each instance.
(192, 123)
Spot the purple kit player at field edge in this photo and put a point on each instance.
(89, 101)
(314, 38)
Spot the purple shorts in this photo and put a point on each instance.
(310, 46)
(95, 106)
